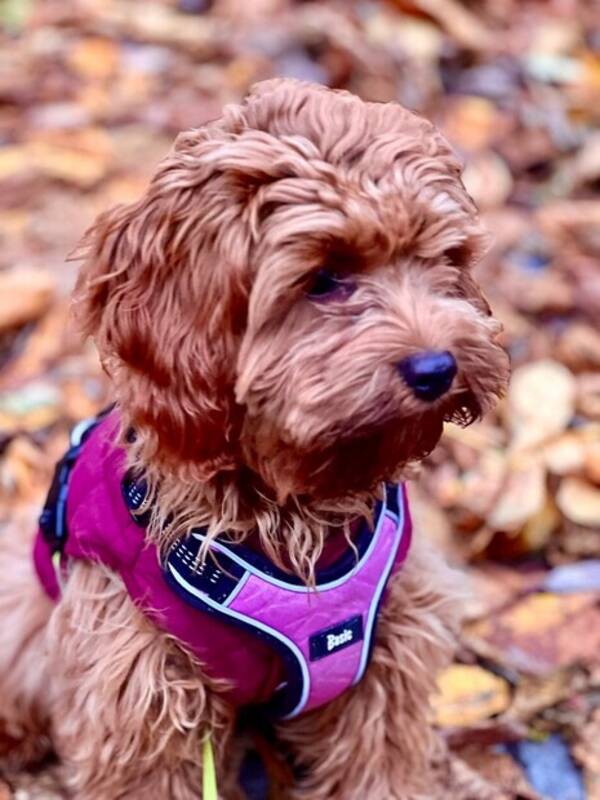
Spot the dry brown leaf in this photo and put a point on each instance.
(534, 694)
(13, 160)
(579, 347)
(521, 498)
(473, 123)
(32, 407)
(13, 221)
(556, 35)
(592, 461)
(469, 694)
(500, 769)
(25, 295)
(24, 470)
(539, 528)
(248, 13)
(202, 35)
(540, 633)
(94, 58)
(73, 166)
(488, 180)
(566, 454)
(587, 751)
(48, 341)
(579, 501)
(493, 587)
(571, 222)
(464, 26)
(588, 394)
(541, 402)
(587, 164)
(483, 484)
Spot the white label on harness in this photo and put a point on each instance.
(335, 640)
(336, 637)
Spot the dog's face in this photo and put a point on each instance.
(293, 295)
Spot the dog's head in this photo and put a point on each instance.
(293, 295)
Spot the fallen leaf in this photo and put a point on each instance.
(534, 694)
(418, 37)
(579, 347)
(592, 460)
(48, 341)
(540, 633)
(522, 497)
(556, 35)
(32, 407)
(538, 529)
(24, 470)
(13, 159)
(488, 732)
(473, 123)
(94, 58)
(468, 694)
(465, 26)
(25, 295)
(587, 163)
(587, 752)
(588, 394)
(73, 166)
(484, 483)
(571, 222)
(541, 402)
(494, 586)
(579, 501)
(488, 180)
(500, 769)
(577, 542)
(566, 454)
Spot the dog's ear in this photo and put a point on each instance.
(464, 256)
(163, 292)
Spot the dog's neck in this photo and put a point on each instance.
(293, 534)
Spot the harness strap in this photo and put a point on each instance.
(53, 519)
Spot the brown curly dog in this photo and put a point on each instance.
(288, 318)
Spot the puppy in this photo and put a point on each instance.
(288, 318)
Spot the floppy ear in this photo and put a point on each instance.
(163, 292)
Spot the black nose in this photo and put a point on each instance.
(429, 375)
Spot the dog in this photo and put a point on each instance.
(288, 317)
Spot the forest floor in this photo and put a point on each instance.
(92, 93)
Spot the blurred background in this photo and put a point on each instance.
(92, 93)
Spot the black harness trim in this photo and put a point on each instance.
(53, 519)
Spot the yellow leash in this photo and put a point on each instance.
(209, 776)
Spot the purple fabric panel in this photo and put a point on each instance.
(300, 615)
(100, 528)
(406, 533)
(251, 666)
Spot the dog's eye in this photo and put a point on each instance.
(328, 285)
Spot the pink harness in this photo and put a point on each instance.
(237, 612)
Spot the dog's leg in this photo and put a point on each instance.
(24, 614)
(130, 707)
(375, 742)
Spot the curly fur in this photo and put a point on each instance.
(260, 411)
